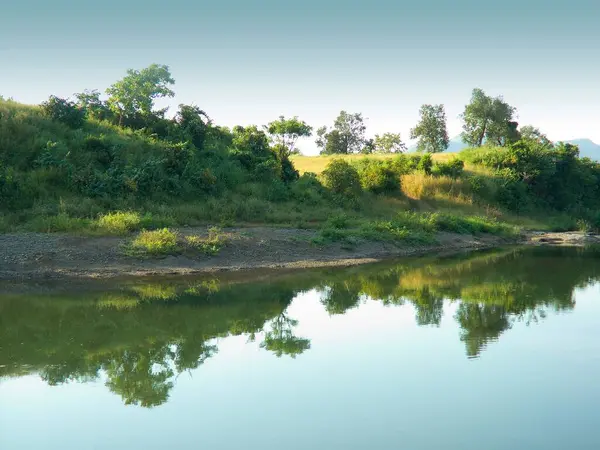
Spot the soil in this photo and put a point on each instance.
(29, 256)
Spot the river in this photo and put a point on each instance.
(491, 350)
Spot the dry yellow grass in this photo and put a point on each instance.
(317, 164)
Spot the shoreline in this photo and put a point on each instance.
(39, 256)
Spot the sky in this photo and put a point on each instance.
(249, 61)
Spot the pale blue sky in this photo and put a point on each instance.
(248, 61)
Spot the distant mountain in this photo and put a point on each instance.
(456, 145)
(587, 148)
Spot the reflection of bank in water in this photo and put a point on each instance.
(142, 335)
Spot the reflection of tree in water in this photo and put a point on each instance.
(429, 307)
(339, 297)
(280, 338)
(480, 324)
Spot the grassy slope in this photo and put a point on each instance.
(442, 194)
(25, 133)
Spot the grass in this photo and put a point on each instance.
(317, 164)
(119, 222)
(210, 245)
(164, 242)
(408, 226)
(154, 243)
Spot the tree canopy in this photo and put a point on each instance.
(431, 130)
(346, 136)
(136, 92)
(389, 143)
(487, 119)
(286, 132)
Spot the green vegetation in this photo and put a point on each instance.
(165, 242)
(116, 165)
(154, 243)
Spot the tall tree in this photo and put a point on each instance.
(286, 132)
(488, 119)
(431, 130)
(389, 143)
(136, 92)
(346, 136)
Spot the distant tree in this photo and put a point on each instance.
(93, 106)
(389, 143)
(136, 92)
(352, 128)
(346, 136)
(431, 130)
(286, 132)
(531, 133)
(368, 147)
(194, 123)
(488, 119)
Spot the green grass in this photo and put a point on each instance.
(408, 227)
(210, 245)
(154, 243)
(164, 242)
(119, 222)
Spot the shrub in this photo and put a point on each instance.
(342, 179)
(452, 169)
(425, 163)
(64, 111)
(308, 189)
(154, 243)
(119, 222)
(377, 176)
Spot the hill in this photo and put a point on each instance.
(85, 174)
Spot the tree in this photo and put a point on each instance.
(431, 129)
(286, 132)
(90, 102)
(389, 143)
(136, 92)
(369, 147)
(346, 136)
(194, 123)
(488, 119)
(531, 133)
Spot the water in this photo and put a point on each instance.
(499, 350)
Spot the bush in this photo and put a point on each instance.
(425, 163)
(308, 189)
(119, 222)
(64, 111)
(342, 179)
(154, 243)
(452, 169)
(377, 176)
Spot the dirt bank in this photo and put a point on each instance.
(36, 255)
(52, 256)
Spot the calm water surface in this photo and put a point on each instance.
(496, 350)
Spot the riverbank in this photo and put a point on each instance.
(39, 255)
(55, 256)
